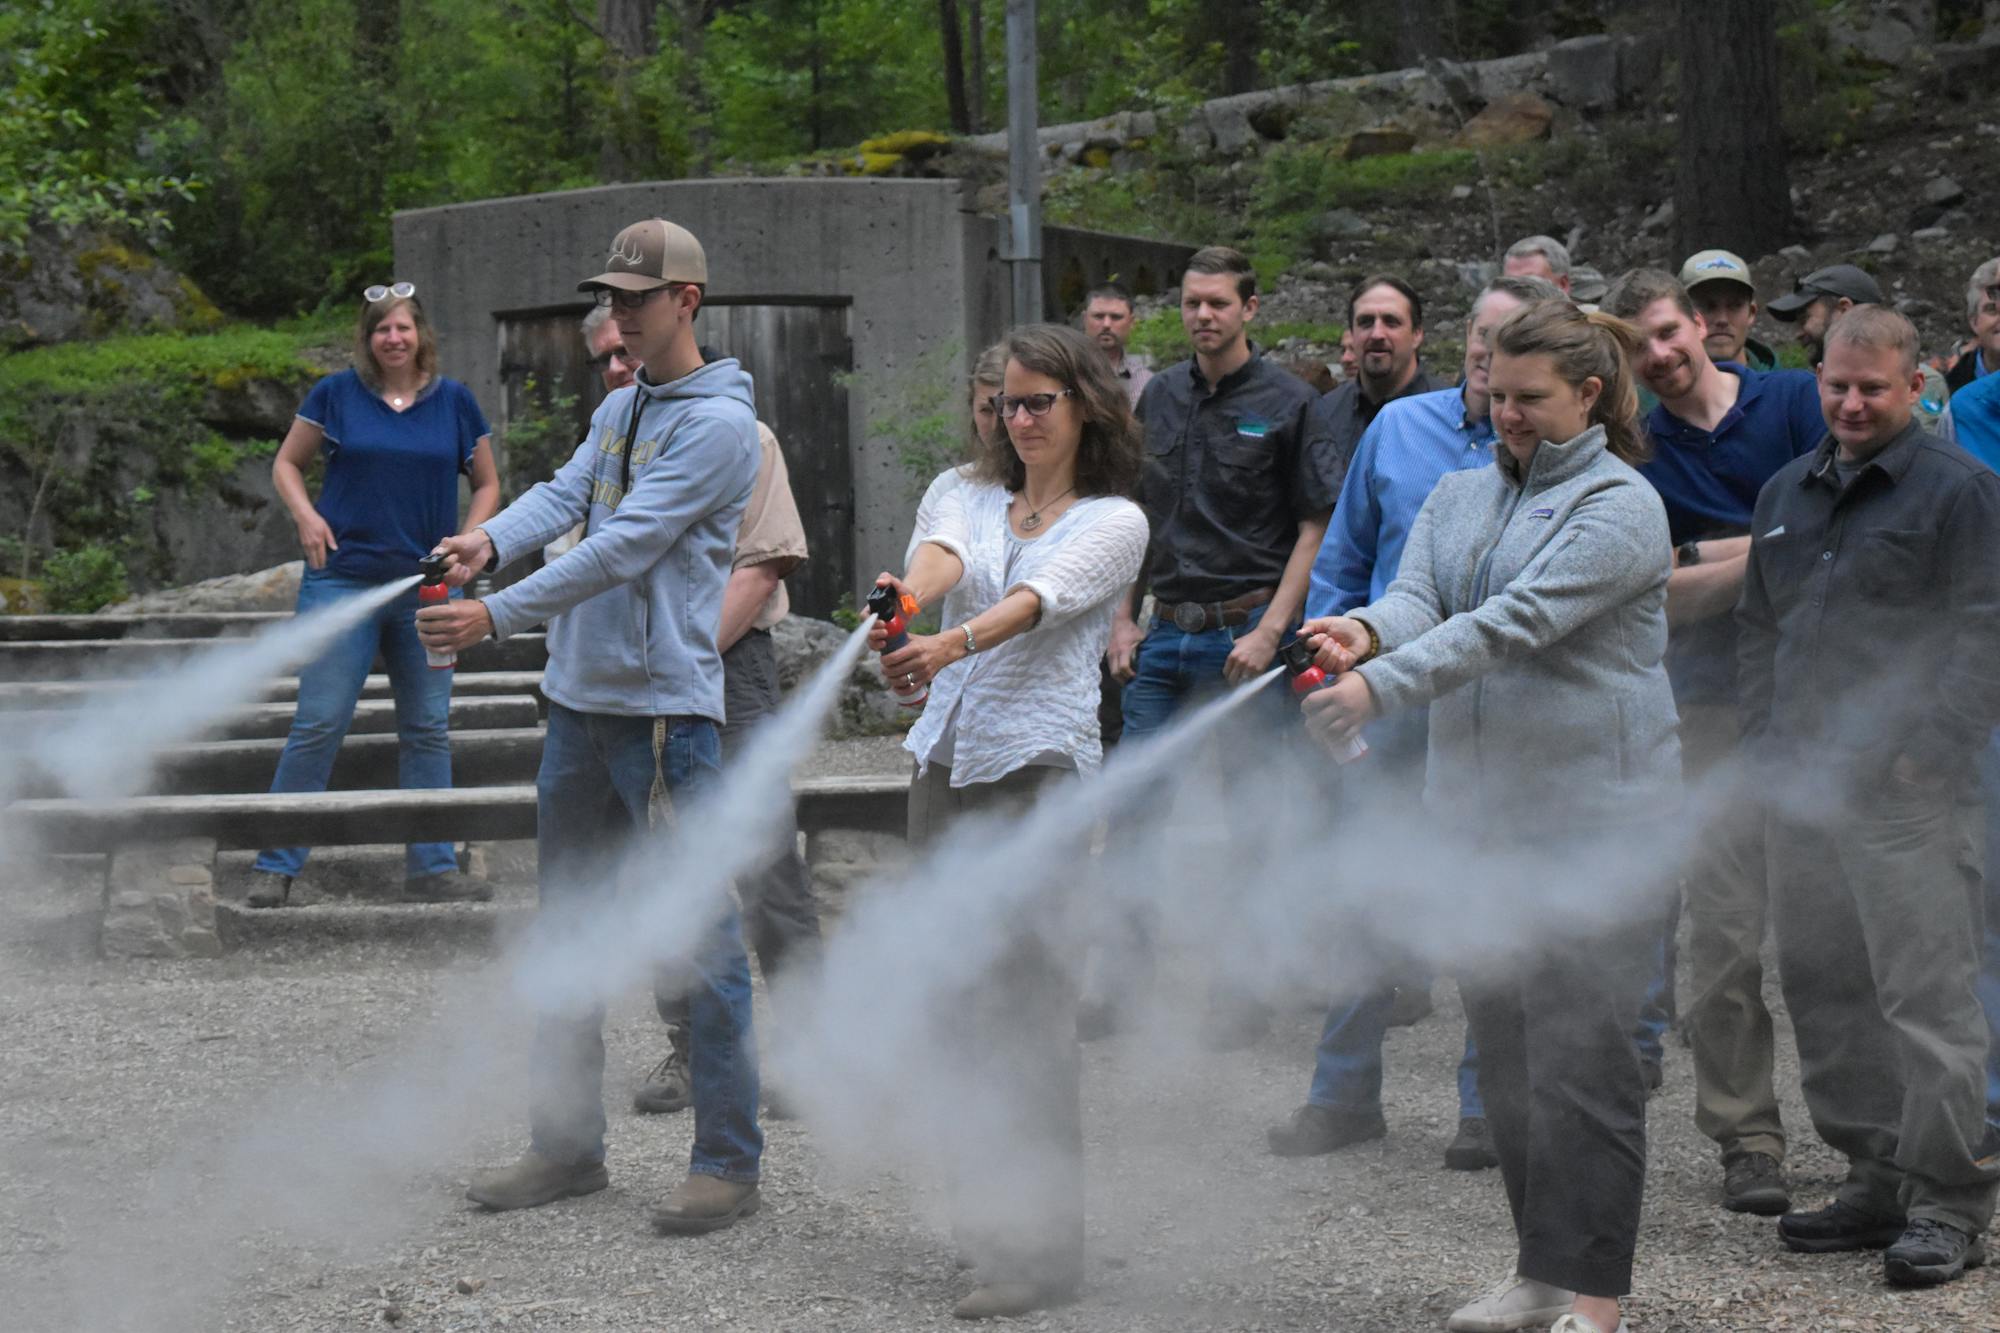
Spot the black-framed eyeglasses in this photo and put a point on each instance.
(402, 291)
(602, 363)
(1038, 404)
(624, 300)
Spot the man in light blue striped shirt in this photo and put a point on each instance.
(1411, 444)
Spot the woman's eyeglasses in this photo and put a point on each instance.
(402, 291)
(1038, 404)
(624, 300)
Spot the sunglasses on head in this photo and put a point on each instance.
(402, 291)
(1038, 404)
(624, 300)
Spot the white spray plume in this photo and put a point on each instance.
(110, 751)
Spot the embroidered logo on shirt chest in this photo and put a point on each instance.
(1541, 513)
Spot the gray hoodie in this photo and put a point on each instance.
(1531, 615)
(633, 610)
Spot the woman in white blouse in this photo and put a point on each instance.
(1027, 552)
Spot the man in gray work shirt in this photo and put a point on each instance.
(1869, 663)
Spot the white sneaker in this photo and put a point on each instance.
(1576, 1323)
(1513, 1304)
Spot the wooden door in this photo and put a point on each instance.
(797, 354)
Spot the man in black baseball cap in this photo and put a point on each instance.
(1822, 297)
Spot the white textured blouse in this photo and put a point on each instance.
(1036, 693)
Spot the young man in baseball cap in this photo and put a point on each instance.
(635, 690)
(1725, 295)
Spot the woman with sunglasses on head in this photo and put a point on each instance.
(1026, 555)
(395, 437)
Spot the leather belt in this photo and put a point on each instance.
(1195, 617)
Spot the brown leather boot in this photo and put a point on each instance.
(703, 1203)
(535, 1180)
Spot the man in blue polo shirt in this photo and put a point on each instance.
(1719, 433)
(1411, 443)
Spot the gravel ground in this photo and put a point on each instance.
(162, 1170)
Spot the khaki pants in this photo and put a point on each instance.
(1880, 921)
(1729, 1029)
(1015, 1140)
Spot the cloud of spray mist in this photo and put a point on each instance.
(675, 881)
(112, 747)
(327, 1165)
(1261, 872)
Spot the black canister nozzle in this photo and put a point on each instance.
(432, 567)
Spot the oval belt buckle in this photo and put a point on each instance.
(1190, 618)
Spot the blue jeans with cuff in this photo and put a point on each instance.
(330, 686)
(604, 780)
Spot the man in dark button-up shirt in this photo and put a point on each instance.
(1870, 678)
(1238, 490)
(1386, 318)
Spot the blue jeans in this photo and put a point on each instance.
(1989, 973)
(329, 687)
(602, 780)
(1173, 669)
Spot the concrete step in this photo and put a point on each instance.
(70, 659)
(171, 625)
(372, 717)
(35, 696)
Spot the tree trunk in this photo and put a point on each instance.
(1731, 185)
(626, 151)
(1421, 31)
(954, 67)
(975, 59)
(1236, 26)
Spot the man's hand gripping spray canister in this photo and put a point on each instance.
(433, 591)
(895, 611)
(1306, 676)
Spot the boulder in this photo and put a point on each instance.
(866, 707)
(1516, 118)
(1453, 83)
(1659, 219)
(1476, 273)
(274, 589)
(1495, 79)
(1944, 192)
(1887, 32)
(71, 285)
(1583, 72)
(1341, 224)
(1378, 141)
(1230, 128)
(1885, 244)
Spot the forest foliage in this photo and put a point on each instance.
(263, 145)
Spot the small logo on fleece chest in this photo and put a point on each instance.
(1542, 513)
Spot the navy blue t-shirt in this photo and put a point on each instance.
(391, 490)
(1708, 481)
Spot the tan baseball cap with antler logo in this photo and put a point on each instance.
(651, 254)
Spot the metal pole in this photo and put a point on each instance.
(1024, 164)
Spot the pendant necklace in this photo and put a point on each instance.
(1034, 519)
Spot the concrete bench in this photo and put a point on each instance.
(170, 625)
(43, 695)
(159, 885)
(69, 659)
(372, 717)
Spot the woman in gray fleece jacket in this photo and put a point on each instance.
(1529, 612)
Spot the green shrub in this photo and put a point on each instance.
(80, 581)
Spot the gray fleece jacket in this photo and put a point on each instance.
(1530, 614)
(633, 610)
